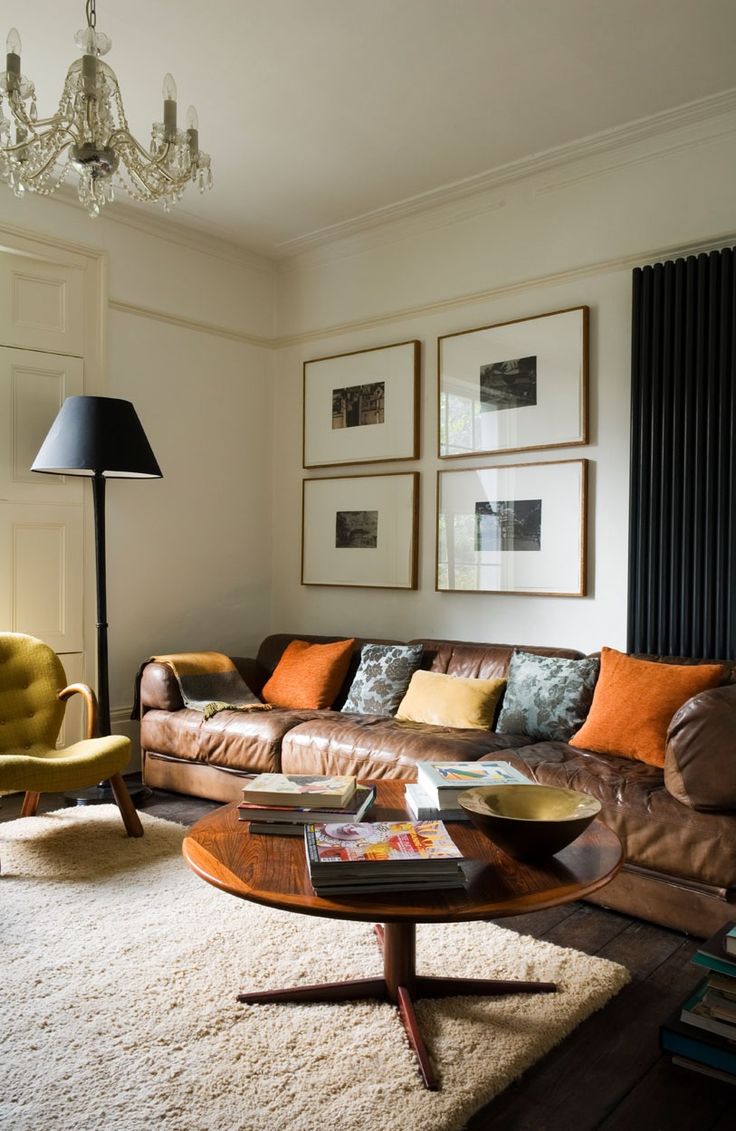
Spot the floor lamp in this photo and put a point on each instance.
(101, 438)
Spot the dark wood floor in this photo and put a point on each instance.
(609, 1073)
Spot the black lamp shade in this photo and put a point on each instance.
(97, 436)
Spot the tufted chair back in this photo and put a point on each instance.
(31, 677)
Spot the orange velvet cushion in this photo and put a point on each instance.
(634, 701)
(309, 675)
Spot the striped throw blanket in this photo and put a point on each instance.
(209, 682)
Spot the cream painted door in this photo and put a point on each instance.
(41, 516)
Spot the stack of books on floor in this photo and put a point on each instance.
(439, 784)
(702, 1035)
(282, 804)
(385, 856)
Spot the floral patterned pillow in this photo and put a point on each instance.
(547, 697)
(382, 678)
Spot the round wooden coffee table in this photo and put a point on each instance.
(273, 870)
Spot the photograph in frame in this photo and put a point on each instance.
(361, 530)
(514, 386)
(514, 529)
(362, 407)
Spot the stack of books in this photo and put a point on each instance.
(702, 1036)
(384, 856)
(439, 784)
(283, 804)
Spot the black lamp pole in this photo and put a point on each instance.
(100, 438)
(103, 675)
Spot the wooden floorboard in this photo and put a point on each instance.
(609, 1074)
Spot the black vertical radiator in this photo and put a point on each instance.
(682, 525)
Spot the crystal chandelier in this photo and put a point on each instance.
(90, 133)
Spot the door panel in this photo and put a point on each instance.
(41, 581)
(33, 387)
(41, 305)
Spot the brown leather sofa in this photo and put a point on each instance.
(680, 866)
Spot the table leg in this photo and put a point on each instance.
(402, 986)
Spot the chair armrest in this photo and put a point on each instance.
(90, 701)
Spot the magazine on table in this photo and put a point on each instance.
(443, 782)
(380, 849)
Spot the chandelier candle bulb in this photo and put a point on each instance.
(169, 92)
(193, 131)
(12, 59)
(89, 75)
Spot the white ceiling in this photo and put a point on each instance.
(317, 112)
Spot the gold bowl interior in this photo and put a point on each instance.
(529, 802)
(529, 821)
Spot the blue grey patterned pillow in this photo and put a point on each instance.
(547, 697)
(382, 678)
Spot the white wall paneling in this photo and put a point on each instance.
(41, 305)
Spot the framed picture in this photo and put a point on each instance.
(515, 529)
(362, 407)
(361, 530)
(519, 385)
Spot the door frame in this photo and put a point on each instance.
(93, 263)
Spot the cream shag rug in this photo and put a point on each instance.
(120, 969)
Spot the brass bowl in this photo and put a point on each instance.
(529, 822)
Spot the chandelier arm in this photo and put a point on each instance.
(152, 162)
(40, 137)
(52, 159)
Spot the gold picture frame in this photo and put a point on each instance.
(514, 386)
(361, 530)
(518, 528)
(362, 407)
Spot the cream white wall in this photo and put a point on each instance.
(565, 237)
(188, 557)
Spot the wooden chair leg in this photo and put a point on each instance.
(131, 820)
(30, 804)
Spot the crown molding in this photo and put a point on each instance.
(201, 237)
(606, 141)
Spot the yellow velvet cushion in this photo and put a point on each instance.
(31, 677)
(451, 701)
(74, 767)
(634, 702)
(309, 675)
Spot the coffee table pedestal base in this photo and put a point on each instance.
(402, 986)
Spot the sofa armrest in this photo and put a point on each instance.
(700, 755)
(158, 689)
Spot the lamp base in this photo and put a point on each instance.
(102, 794)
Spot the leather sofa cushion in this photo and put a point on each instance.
(657, 832)
(479, 661)
(233, 739)
(700, 757)
(372, 746)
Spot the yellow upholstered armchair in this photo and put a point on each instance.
(32, 694)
